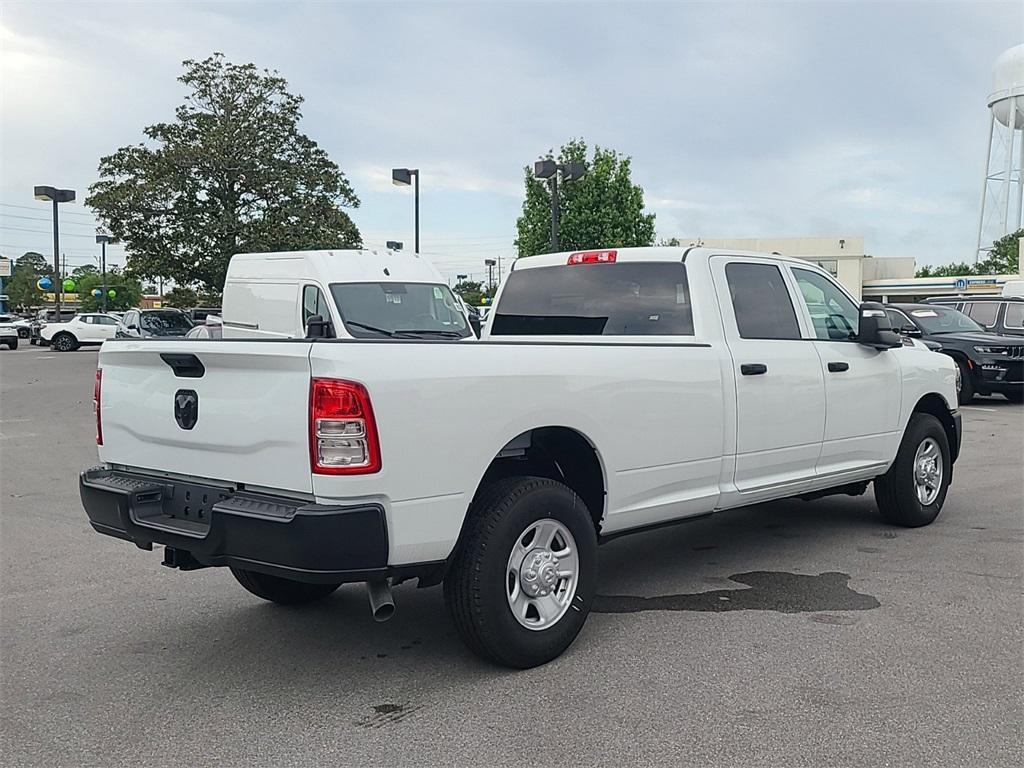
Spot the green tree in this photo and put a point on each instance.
(127, 291)
(945, 270)
(21, 288)
(473, 292)
(1004, 258)
(180, 297)
(604, 209)
(85, 269)
(232, 173)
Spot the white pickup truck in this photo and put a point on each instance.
(611, 391)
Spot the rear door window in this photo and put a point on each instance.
(1014, 315)
(983, 312)
(609, 299)
(761, 302)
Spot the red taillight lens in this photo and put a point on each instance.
(342, 431)
(592, 257)
(96, 405)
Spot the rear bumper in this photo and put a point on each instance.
(205, 525)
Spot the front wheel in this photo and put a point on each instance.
(912, 492)
(1015, 395)
(282, 591)
(521, 583)
(11, 343)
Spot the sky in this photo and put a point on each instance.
(742, 120)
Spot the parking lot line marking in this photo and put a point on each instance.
(979, 408)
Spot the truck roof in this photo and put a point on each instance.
(335, 265)
(650, 253)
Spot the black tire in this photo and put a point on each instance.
(896, 490)
(23, 333)
(475, 586)
(965, 394)
(1015, 395)
(282, 591)
(12, 344)
(64, 342)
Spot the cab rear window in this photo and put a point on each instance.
(611, 299)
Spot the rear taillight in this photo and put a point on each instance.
(592, 257)
(96, 405)
(342, 432)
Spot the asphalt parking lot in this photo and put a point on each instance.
(793, 633)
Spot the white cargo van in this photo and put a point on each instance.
(369, 294)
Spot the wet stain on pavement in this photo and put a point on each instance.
(868, 550)
(765, 591)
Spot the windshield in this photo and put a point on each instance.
(944, 320)
(407, 310)
(165, 323)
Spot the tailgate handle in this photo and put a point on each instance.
(185, 366)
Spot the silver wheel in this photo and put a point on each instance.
(927, 471)
(542, 574)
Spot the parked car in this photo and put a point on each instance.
(145, 323)
(86, 329)
(611, 391)
(20, 325)
(46, 317)
(359, 294)
(997, 314)
(199, 314)
(212, 328)
(989, 363)
(8, 336)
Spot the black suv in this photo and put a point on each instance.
(988, 362)
(998, 314)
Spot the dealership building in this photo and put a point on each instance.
(866, 277)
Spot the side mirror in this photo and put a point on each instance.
(875, 329)
(911, 332)
(319, 328)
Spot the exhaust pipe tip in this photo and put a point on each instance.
(382, 604)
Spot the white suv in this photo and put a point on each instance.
(81, 330)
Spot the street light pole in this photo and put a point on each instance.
(103, 240)
(403, 177)
(56, 196)
(549, 169)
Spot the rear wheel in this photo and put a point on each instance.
(65, 342)
(912, 492)
(964, 385)
(282, 591)
(11, 343)
(521, 583)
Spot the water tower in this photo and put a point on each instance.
(1002, 193)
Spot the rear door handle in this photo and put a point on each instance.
(753, 369)
(838, 367)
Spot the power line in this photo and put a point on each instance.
(38, 207)
(42, 218)
(42, 232)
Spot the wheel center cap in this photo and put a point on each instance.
(538, 574)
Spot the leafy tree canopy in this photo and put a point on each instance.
(1003, 259)
(21, 287)
(232, 173)
(473, 292)
(182, 298)
(128, 291)
(604, 209)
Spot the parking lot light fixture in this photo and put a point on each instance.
(548, 170)
(56, 196)
(403, 177)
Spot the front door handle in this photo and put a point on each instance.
(838, 367)
(753, 369)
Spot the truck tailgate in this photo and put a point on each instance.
(251, 423)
